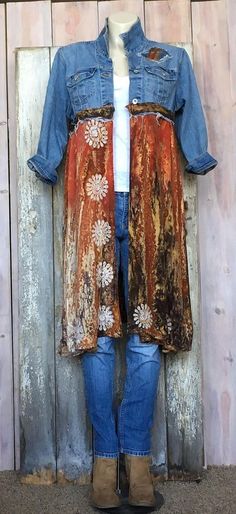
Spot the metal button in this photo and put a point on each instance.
(136, 71)
(134, 101)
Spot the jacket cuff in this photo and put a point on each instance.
(42, 168)
(201, 165)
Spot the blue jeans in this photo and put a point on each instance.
(143, 360)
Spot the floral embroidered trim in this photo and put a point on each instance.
(97, 187)
(104, 274)
(143, 316)
(105, 317)
(96, 134)
(101, 232)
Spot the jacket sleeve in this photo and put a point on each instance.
(54, 125)
(190, 121)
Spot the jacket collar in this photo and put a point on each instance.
(133, 39)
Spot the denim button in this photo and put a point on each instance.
(134, 101)
(136, 71)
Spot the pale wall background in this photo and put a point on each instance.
(210, 26)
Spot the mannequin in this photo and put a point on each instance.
(118, 23)
(139, 230)
(147, 357)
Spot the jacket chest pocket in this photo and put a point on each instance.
(82, 87)
(159, 83)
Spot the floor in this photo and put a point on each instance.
(214, 494)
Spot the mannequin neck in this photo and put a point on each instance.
(118, 23)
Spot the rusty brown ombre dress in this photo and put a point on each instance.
(159, 299)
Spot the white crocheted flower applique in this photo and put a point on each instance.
(96, 134)
(75, 334)
(105, 274)
(101, 232)
(143, 316)
(97, 187)
(105, 317)
(169, 324)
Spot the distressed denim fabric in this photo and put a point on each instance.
(82, 77)
(127, 430)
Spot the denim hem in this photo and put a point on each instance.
(106, 454)
(136, 452)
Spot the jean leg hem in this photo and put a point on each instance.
(136, 452)
(106, 454)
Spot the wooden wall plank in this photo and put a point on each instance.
(6, 374)
(74, 431)
(36, 291)
(74, 21)
(107, 8)
(31, 31)
(215, 66)
(182, 379)
(168, 21)
(183, 371)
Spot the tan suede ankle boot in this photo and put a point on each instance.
(103, 493)
(141, 487)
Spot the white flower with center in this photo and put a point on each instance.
(96, 134)
(97, 186)
(101, 232)
(105, 317)
(104, 274)
(169, 324)
(75, 331)
(143, 316)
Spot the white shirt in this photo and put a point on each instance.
(121, 133)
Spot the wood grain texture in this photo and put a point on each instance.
(73, 428)
(32, 31)
(6, 383)
(36, 291)
(216, 69)
(168, 21)
(107, 8)
(181, 388)
(70, 22)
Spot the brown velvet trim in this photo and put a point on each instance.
(150, 107)
(106, 111)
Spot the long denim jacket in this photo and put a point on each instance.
(165, 108)
(82, 78)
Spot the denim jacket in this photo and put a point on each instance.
(82, 77)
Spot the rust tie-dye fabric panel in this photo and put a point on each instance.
(159, 301)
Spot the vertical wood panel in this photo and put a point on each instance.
(217, 215)
(183, 371)
(168, 20)
(36, 291)
(74, 431)
(107, 8)
(6, 379)
(171, 24)
(70, 22)
(28, 25)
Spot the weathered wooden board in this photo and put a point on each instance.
(6, 382)
(36, 288)
(217, 226)
(32, 31)
(73, 428)
(168, 20)
(181, 386)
